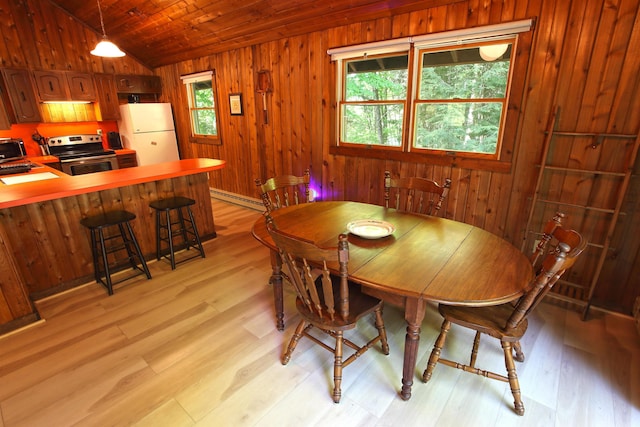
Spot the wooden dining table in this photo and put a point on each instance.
(426, 258)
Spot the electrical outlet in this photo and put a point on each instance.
(99, 131)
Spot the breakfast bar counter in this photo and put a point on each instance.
(43, 247)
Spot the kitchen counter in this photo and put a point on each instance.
(66, 185)
(43, 247)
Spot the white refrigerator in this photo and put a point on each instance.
(148, 129)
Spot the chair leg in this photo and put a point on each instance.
(518, 350)
(382, 331)
(105, 260)
(170, 239)
(474, 350)
(435, 353)
(195, 232)
(337, 368)
(138, 251)
(294, 342)
(158, 235)
(513, 377)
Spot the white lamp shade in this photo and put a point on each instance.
(107, 49)
(493, 52)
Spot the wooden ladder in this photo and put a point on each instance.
(538, 198)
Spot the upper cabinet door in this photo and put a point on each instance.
(52, 85)
(23, 100)
(107, 107)
(81, 87)
(138, 84)
(64, 86)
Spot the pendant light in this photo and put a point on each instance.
(105, 48)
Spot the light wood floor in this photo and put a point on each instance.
(198, 346)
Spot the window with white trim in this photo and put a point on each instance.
(201, 96)
(440, 94)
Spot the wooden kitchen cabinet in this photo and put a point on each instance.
(5, 119)
(81, 87)
(55, 85)
(107, 107)
(128, 160)
(22, 99)
(138, 84)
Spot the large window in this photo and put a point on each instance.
(461, 97)
(441, 94)
(201, 96)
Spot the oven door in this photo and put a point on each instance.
(89, 165)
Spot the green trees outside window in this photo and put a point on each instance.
(458, 104)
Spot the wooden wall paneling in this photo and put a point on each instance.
(561, 147)
(478, 189)
(135, 199)
(542, 80)
(273, 130)
(282, 142)
(625, 108)
(74, 43)
(319, 98)
(620, 25)
(247, 132)
(49, 244)
(45, 16)
(14, 301)
(19, 233)
(452, 16)
(24, 54)
(70, 238)
(301, 110)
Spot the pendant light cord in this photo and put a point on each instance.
(104, 33)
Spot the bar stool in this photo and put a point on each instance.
(168, 227)
(103, 244)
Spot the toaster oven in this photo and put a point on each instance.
(11, 149)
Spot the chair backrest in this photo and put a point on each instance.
(306, 262)
(570, 245)
(284, 190)
(414, 194)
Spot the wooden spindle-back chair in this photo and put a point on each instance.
(327, 302)
(414, 194)
(508, 322)
(284, 190)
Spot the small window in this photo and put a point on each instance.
(201, 95)
(375, 100)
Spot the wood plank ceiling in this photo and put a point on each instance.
(162, 32)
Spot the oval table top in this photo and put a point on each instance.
(426, 257)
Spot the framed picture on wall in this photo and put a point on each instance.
(235, 104)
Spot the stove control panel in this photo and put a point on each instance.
(73, 140)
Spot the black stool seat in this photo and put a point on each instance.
(107, 219)
(102, 245)
(172, 203)
(167, 228)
